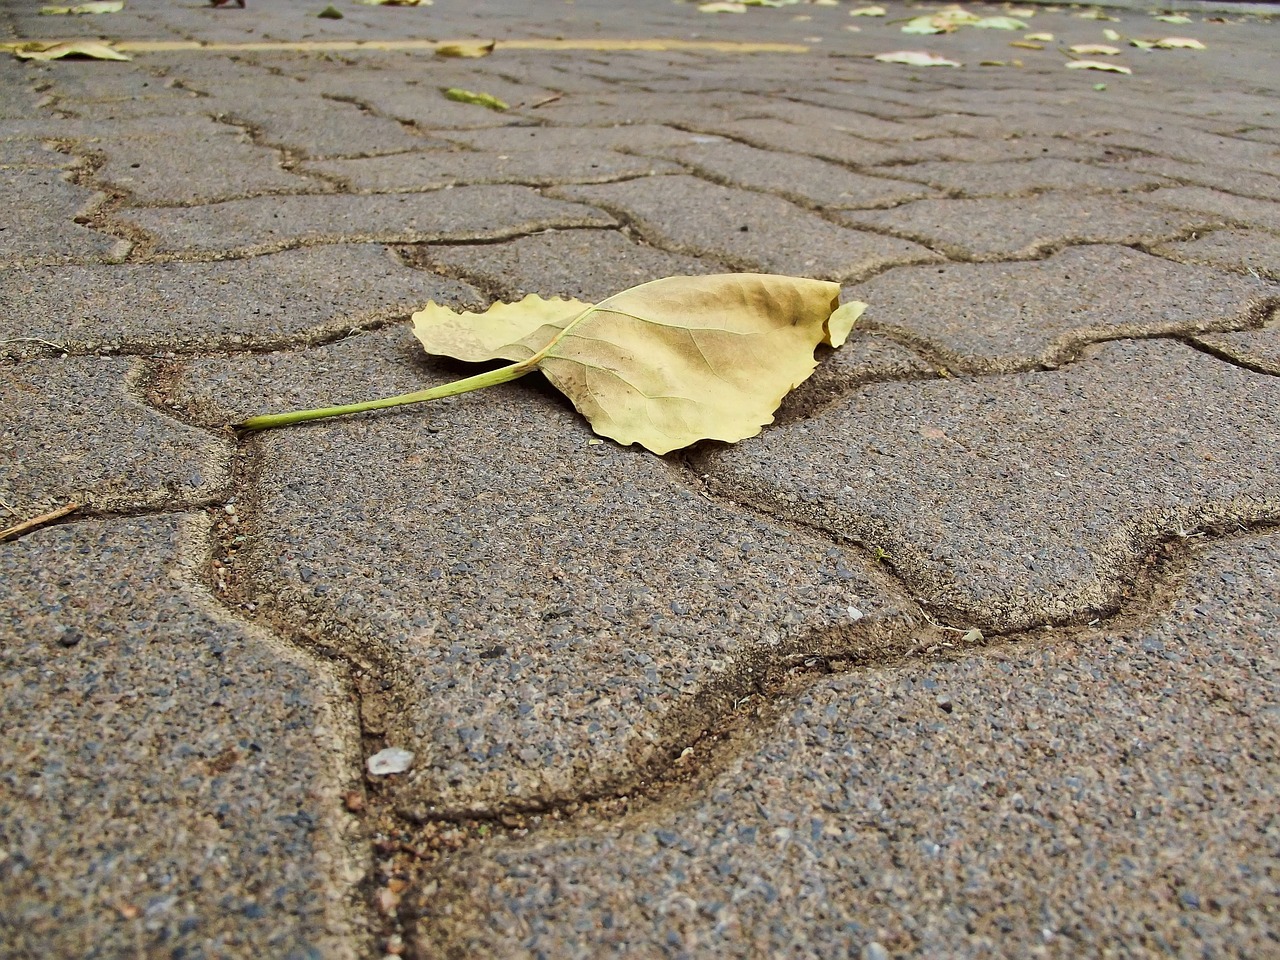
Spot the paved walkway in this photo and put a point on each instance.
(972, 654)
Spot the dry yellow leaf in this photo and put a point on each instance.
(93, 49)
(1041, 37)
(664, 364)
(1179, 43)
(876, 11)
(1095, 50)
(465, 48)
(101, 6)
(916, 58)
(1024, 45)
(1097, 65)
(723, 8)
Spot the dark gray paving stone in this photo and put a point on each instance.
(172, 777)
(1032, 497)
(1054, 797)
(314, 126)
(1000, 149)
(1181, 142)
(745, 229)
(553, 614)
(1228, 179)
(1245, 251)
(999, 228)
(46, 231)
(639, 137)
(583, 264)
(32, 153)
(72, 431)
(632, 106)
(432, 170)
(1244, 211)
(186, 160)
(259, 301)
(815, 117)
(1258, 349)
(806, 180)
(992, 317)
(771, 133)
(264, 224)
(1010, 177)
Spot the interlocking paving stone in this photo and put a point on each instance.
(1228, 179)
(866, 357)
(770, 133)
(988, 317)
(638, 137)
(266, 223)
(537, 653)
(125, 455)
(1108, 793)
(746, 229)
(1184, 143)
(430, 170)
(806, 179)
(1247, 211)
(171, 776)
(192, 160)
(31, 153)
(201, 306)
(317, 127)
(1246, 251)
(996, 228)
(993, 149)
(556, 264)
(1008, 177)
(1259, 349)
(1031, 497)
(41, 224)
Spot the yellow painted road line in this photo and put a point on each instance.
(341, 46)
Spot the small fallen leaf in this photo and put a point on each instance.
(1143, 44)
(1099, 86)
(1095, 49)
(876, 11)
(916, 58)
(1095, 14)
(1173, 18)
(479, 99)
(993, 63)
(664, 364)
(223, 3)
(330, 13)
(1097, 65)
(999, 23)
(1179, 43)
(1023, 45)
(93, 49)
(1111, 35)
(106, 6)
(465, 48)
(722, 8)
(396, 3)
(1041, 37)
(389, 761)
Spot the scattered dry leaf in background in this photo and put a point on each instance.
(1111, 35)
(1042, 37)
(105, 6)
(93, 49)
(479, 99)
(664, 364)
(1095, 49)
(999, 23)
(868, 12)
(916, 58)
(396, 3)
(1097, 65)
(1024, 45)
(1179, 43)
(1174, 18)
(465, 48)
(1095, 14)
(330, 13)
(723, 8)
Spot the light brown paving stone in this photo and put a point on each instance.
(806, 180)
(1246, 211)
(1228, 179)
(990, 317)
(1110, 793)
(263, 224)
(201, 306)
(583, 264)
(1009, 177)
(743, 228)
(1256, 349)
(552, 615)
(434, 169)
(998, 228)
(72, 431)
(1032, 497)
(1245, 251)
(171, 777)
(191, 160)
(40, 226)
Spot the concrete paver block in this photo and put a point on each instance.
(264, 224)
(126, 455)
(992, 317)
(1246, 211)
(1245, 251)
(1088, 794)
(172, 777)
(527, 656)
(227, 304)
(1009, 177)
(1256, 349)
(749, 230)
(1005, 228)
(1028, 498)
(45, 228)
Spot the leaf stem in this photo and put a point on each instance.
(489, 378)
